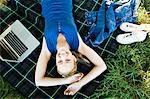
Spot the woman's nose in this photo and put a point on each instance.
(62, 54)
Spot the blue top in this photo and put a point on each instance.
(59, 19)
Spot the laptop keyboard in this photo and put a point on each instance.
(8, 50)
(15, 43)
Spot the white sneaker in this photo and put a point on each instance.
(130, 27)
(133, 37)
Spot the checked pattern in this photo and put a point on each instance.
(21, 75)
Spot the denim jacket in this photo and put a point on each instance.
(105, 21)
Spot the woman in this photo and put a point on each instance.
(60, 38)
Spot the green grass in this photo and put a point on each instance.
(127, 76)
(7, 91)
(128, 73)
(2, 3)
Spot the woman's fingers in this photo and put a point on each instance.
(80, 76)
(69, 91)
(66, 92)
(76, 77)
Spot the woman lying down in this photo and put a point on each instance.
(60, 38)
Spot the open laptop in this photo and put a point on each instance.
(16, 43)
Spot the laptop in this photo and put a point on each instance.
(16, 43)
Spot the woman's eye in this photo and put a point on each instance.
(59, 55)
(60, 61)
(67, 52)
(67, 60)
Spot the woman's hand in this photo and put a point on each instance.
(75, 77)
(73, 88)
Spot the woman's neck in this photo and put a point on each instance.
(61, 42)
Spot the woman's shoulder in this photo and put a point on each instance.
(45, 48)
(81, 43)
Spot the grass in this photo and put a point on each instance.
(143, 15)
(128, 73)
(7, 91)
(2, 3)
(127, 76)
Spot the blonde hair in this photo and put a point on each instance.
(74, 70)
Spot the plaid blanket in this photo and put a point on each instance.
(21, 75)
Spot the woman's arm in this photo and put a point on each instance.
(99, 67)
(40, 79)
(99, 64)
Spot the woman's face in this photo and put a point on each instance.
(65, 62)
